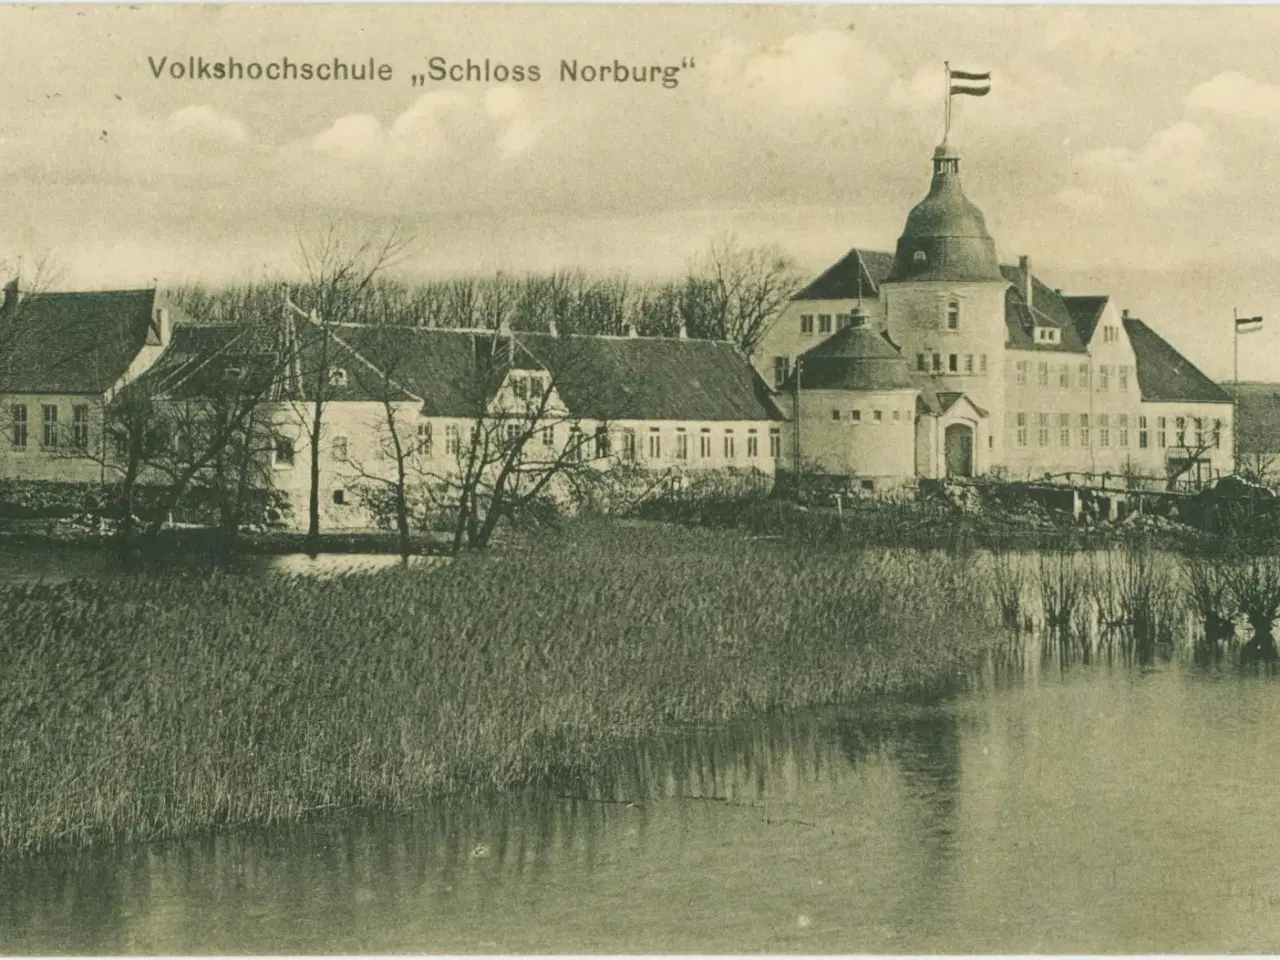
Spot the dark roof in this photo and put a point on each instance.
(1257, 428)
(1048, 309)
(78, 343)
(602, 378)
(1086, 312)
(857, 274)
(855, 358)
(1166, 375)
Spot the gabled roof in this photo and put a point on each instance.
(1047, 309)
(79, 343)
(857, 274)
(1166, 375)
(1086, 312)
(1257, 427)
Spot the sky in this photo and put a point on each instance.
(1128, 151)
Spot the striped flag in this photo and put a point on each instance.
(1248, 324)
(963, 82)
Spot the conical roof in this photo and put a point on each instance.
(855, 358)
(946, 236)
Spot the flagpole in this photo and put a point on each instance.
(946, 134)
(1235, 344)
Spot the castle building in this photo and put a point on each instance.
(1004, 375)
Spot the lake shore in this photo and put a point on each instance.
(216, 702)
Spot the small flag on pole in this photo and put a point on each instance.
(1248, 324)
(965, 83)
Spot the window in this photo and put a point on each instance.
(282, 454)
(869, 485)
(855, 416)
(953, 363)
(682, 444)
(49, 431)
(655, 444)
(806, 323)
(968, 363)
(339, 497)
(775, 443)
(1110, 334)
(1084, 376)
(1022, 429)
(1122, 377)
(919, 257)
(730, 449)
(1180, 432)
(513, 432)
(1104, 373)
(897, 415)
(1217, 433)
(982, 363)
(1064, 376)
(753, 445)
(1084, 430)
(337, 377)
(19, 426)
(1142, 433)
(704, 443)
(1042, 374)
(520, 387)
(1104, 430)
(628, 444)
(80, 426)
(824, 323)
(549, 437)
(922, 362)
(1162, 439)
(1021, 368)
(877, 415)
(835, 414)
(602, 443)
(573, 452)
(937, 363)
(1199, 433)
(452, 440)
(953, 315)
(1122, 428)
(1042, 429)
(842, 320)
(425, 439)
(1064, 429)
(340, 448)
(1047, 334)
(781, 370)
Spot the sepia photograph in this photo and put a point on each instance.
(639, 479)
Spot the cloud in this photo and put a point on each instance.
(824, 70)
(1238, 96)
(1178, 162)
(206, 123)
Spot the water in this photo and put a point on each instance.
(56, 563)
(1061, 808)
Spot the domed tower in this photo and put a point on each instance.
(945, 295)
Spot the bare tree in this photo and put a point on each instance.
(1191, 442)
(735, 292)
(341, 271)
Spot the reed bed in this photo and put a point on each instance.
(149, 708)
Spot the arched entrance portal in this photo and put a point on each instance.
(959, 450)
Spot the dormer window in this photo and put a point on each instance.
(919, 256)
(953, 315)
(1048, 335)
(337, 377)
(235, 373)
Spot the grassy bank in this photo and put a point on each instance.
(145, 708)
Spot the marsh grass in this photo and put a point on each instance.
(146, 708)
(1008, 586)
(1063, 589)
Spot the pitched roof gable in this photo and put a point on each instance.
(857, 274)
(1166, 375)
(1047, 309)
(77, 343)
(1085, 313)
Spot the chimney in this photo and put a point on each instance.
(1024, 267)
(12, 296)
(1124, 314)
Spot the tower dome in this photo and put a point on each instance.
(946, 236)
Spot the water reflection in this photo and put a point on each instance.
(1052, 806)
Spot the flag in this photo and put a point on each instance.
(970, 84)
(1248, 324)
